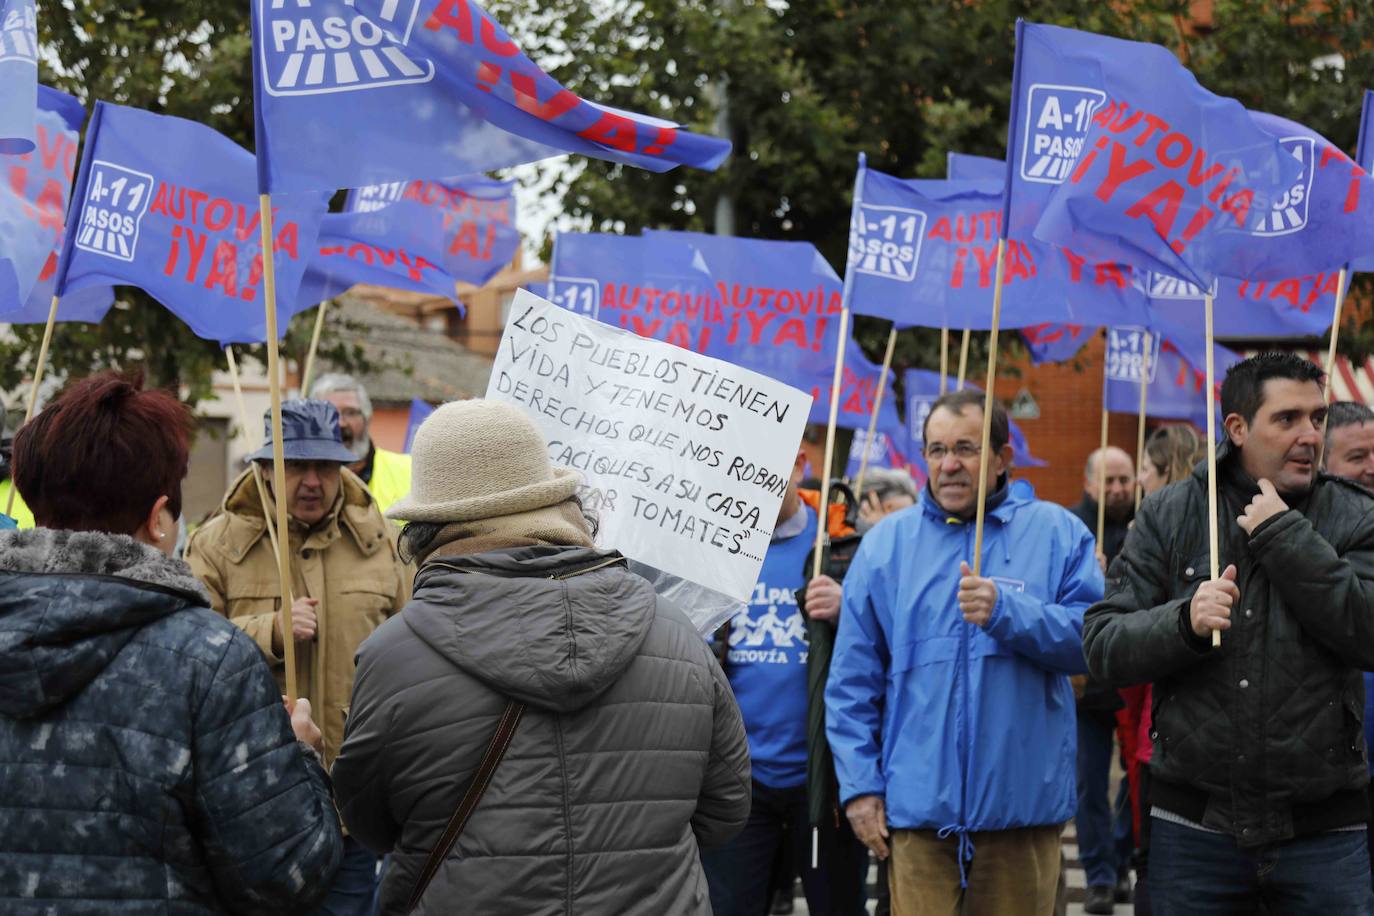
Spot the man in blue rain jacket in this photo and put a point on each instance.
(948, 707)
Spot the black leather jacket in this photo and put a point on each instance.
(1261, 738)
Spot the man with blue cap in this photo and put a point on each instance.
(346, 579)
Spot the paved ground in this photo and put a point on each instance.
(1077, 884)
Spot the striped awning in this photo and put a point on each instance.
(1350, 381)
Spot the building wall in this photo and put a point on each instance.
(487, 308)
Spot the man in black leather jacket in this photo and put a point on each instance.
(1259, 767)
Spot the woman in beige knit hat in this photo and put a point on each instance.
(624, 752)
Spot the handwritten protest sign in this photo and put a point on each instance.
(685, 458)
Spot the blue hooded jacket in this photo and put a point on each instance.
(961, 728)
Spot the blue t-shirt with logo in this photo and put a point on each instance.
(766, 663)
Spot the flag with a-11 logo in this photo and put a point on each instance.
(360, 92)
(1119, 152)
(1176, 378)
(924, 253)
(422, 236)
(18, 75)
(170, 206)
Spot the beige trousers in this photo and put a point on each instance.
(1013, 873)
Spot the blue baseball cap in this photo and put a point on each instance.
(310, 432)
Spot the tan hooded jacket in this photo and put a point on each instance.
(348, 561)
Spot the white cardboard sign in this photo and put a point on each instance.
(685, 458)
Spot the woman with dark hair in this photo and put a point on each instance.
(624, 752)
(148, 763)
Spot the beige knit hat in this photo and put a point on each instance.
(480, 459)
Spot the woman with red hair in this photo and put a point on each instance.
(148, 761)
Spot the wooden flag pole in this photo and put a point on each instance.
(37, 382)
(944, 360)
(1335, 331)
(253, 443)
(1213, 539)
(269, 282)
(829, 463)
(963, 347)
(1102, 480)
(989, 384)
(309, 372)
(1140, 430)
(873, 420)
(238, 397)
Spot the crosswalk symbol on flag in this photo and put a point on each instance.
(1056, 123)
(314, 47)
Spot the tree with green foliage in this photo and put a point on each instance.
(811, 83)
(189, 58)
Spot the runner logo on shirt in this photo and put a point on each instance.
(772, 624)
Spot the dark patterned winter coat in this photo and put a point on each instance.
(146, 762)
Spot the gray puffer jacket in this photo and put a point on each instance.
(630, 757)
(146, 763)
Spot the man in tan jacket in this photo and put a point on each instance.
(346, 579)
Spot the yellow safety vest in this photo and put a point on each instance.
(21, 513)
(390, 477)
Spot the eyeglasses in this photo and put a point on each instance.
(964, 451)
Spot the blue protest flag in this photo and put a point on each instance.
(1290, 307)
(858, 391)
(33, 195)
(1176, 376)
(169, 205)
(654, 288)
(887, 450)
(419, 412)
(769, 306)
(922, 391)
(540, 288)
(963, 166)
(1055, 343)
(1364, 158)
(358, 248)
(33, 212)
(18, 75)
(424, 236)
(357, 92)
(1116, 149)
(477, 237)
(781, 300)
(924, 252)
(88, 305)
(1020, 449)
(1325, 219)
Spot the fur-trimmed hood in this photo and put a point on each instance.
(69, 601)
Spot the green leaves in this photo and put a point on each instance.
(811, 83)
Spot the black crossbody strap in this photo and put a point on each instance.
(505, 731)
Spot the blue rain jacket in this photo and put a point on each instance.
(961, 728)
